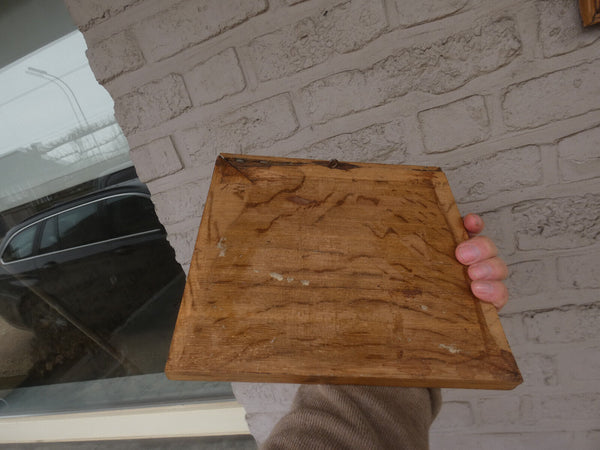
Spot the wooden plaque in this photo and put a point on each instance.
(330, 272)
(590, 12)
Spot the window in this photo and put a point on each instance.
(49, 239)
(60, 146)
(21, 245)
(80, 226)
(131, 214)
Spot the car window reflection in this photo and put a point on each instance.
(81, 226)
(96, 282)
(21, 246)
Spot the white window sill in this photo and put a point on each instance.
(200, 419)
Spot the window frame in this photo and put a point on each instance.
(219, 418)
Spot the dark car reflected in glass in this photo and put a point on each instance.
(97, 283)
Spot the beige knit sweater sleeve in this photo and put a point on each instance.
(357, 417)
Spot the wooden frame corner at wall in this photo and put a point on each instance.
(590, 12)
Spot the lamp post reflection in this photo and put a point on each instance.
(63, 85)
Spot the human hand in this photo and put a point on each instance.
(485, 269)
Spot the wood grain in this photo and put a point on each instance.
(327, 272)
(590, 12)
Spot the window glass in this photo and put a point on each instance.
(130, 214)
(49, 239)
(21, 245)
(81, 225)
(89, 327)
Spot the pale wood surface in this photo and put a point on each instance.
(329, 272)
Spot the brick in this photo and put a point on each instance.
(554, 96)
(578, 155)
(566, 222)
(454, 415)
(573, 324)
(183, 202)
(579, 271)
(478, 179)
(243, 130)
(581, 364)
(538, 369)
(383, 142)
(560, 30)
(111, 57)
(456, 124)
(87, 13)
(526, 278)
(591, 440)
(547, 440)
(437, 67)
(413, 13)
(527, 409)
(341, 29)
(569, 406)
(155, 159)
(152, 104)
(190, 22)
(215, 78)
(499, 410)
(496, 227)
(514, 329)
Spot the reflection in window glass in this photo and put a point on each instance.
(59, 134)
(49, 238)
(131, 214)
(21, 245)
(82, 305)
(80, 226)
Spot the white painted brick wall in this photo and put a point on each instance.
(215, 78)
(568, 324)
(343, 28)
(152, 104)
(434, 67)
(564, 222)
(412, 13)
(478, 179)
(501, 94)
(578, 155)
(378, 142)
(182, 24)
(115, 55)
(240, 131)
(554, 96)
(155, 159)
(579, 271)
(455, 415)
(442, 135)
(87, 13)
(556, 31)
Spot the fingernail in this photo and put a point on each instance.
(479, 271)
(483, 288)
(468, 253)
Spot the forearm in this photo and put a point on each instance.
(330, 417)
